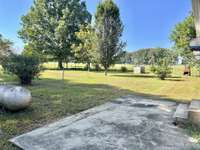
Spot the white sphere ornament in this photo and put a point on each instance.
(14, 97)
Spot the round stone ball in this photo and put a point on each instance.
(14, 97)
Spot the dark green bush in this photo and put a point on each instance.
(24, 67)
(124, 69)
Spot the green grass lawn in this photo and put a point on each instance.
(54, 99)
(176, 88)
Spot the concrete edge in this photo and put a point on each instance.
(82, 115)
(62, 122)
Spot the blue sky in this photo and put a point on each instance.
(147, 23)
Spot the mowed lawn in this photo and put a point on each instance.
(179, 88)
(54, 98)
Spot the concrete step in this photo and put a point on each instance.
(194, 105)
(194, 112)
(181, 114)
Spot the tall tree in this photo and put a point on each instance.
(50, 26)
(109, 30)
(5, 48)
(85, 51)
(182, 35)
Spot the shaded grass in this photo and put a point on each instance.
(53, 100)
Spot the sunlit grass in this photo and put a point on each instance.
(177, 88)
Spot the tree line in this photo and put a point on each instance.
(148, 56)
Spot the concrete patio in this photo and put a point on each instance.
(128, 123)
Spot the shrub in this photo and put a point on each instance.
(162, 71)
(153, 69)
(124, 69)
(24, 67)
(161, 67)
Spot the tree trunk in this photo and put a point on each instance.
(60, 65)
(106, 71)
(67, 66)
(88, 66)
(25, 80)
(63, 74)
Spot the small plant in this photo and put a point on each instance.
(162, 69)
(124, 69)
(26, 68)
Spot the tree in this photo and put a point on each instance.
(29, 51)
(5, 48)
(85, 51)
(50, 26)
(142, 56)
(126, 58)
(182, 35)
(109, 30)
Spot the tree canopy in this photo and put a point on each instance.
(182, 35)
(85, 51)
(5, 47)
(50, 26)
